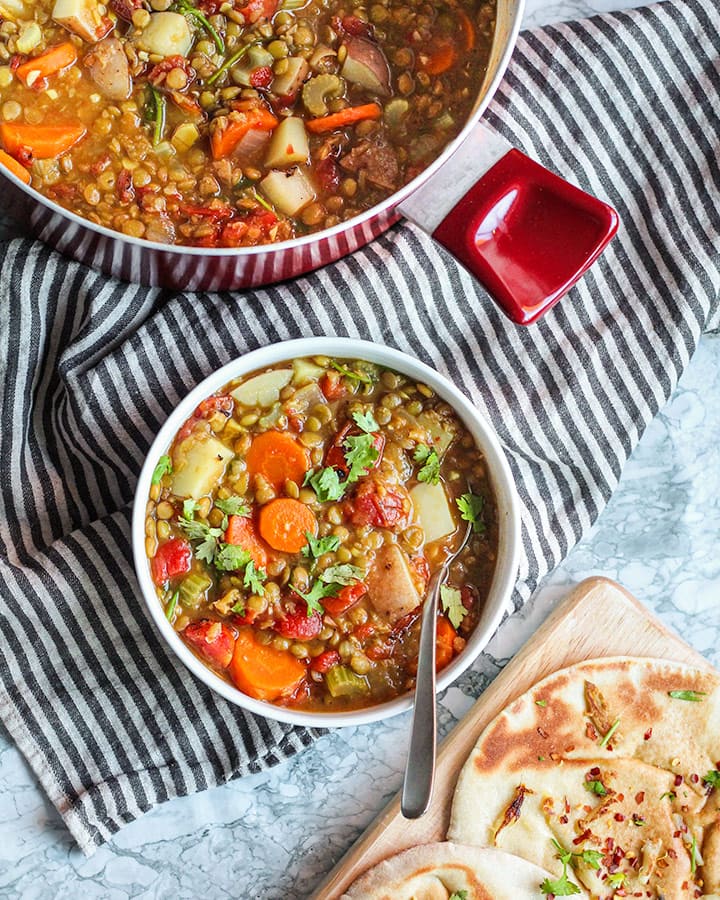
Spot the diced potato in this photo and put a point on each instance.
(82, 17)
(263, 390)
(305, 371)
(30, 37)
(13, 10)
(289, 144)
(184, 136)
(290, 81)
(433, 511)
(441, 433)
(306, 398)
(289, 192)
(390, 585)
(200, 467)
(167, 34)
(365, 64)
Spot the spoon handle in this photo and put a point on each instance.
(420, 768)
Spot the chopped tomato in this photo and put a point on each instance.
(214, 641)
(327, 173)
(375, 503)
(362, 632)
(332, 386)
(335, 456)
(261, 77)
(347, 597)
(298, 625)
(325, 661)
(258, 9)
(222, 404)
(173, 558)
(157, 75)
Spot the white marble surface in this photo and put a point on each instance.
(275, 835)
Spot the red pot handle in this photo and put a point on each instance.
(525, 233)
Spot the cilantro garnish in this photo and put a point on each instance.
(239, 607)
(692, 696)
(671, 795)
(342, 574)
(596, 787)
(318, 592)
(561, 887)
(452, 605)
(233, 506)
(253, 579)
(189, 507)
(712, 778)
(616, 879)
(611, 731)
(316, 547)
(364, 377)
(207, 536)
(458, 895)
(590, 858)
(365, 422)
(638, 820)
(430, 464)
(164, 467)
(471, 507)
(360, 456)
(170, 611)
(567, 857)
(326, 484)
(230, 558)
(542, 703)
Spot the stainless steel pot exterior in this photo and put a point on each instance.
(193, 268)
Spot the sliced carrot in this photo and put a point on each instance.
(343, 118)
(14, 166)
(241, 532)
(283, 523)
(468, 30)
(225, 138)
(278, 458)
(51, 62)
(440, 59)
(40, 141)
(444, 651)
(261, 671)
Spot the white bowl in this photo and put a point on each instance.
(500, 477)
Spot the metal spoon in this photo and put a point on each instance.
(420, 767)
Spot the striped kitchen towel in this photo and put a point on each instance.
(625, 105)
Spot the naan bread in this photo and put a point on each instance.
(600, 757)
(437, 871)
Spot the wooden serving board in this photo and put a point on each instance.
(599, 618)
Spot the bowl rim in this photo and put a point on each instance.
(506, 571)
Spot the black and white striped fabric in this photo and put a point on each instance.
(626, 106)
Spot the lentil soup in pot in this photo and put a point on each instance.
(295, 521)
(226, 123)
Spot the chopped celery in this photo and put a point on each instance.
(343, 682)
(193, 587)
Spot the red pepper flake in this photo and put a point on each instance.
(590, 732)
(671, 853)
(619, 817)
(564, 820)
(678, 780)
(542, 732)
(648, 734)
(694, 778)
(582, 837)
(640, 796)
(594, 773)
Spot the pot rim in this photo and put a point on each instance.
(509, 547)
(487, 92)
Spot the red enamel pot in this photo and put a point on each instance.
(522, 231)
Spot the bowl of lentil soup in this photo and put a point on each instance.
(290, 513)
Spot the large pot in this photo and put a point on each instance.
(479, 199)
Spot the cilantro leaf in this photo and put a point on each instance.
(253, 579)
(326, 484)
(316, 547)
(164, 467)
(458, 895)
(692, 696)
(317, 592)
(671, 795)
(561, 887)
(239, 607)
(471, 507)
(189, 507)
(342, 574)
(430, 464)
(364, 377)
(452, 604)
(230, 558)
(233, 506)
(616, 879)
(563, 855)
(365, 422)
(542, 703)
(596, 787)
(208, 537)
(591, 858)
(360, 456)
(712, 778)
